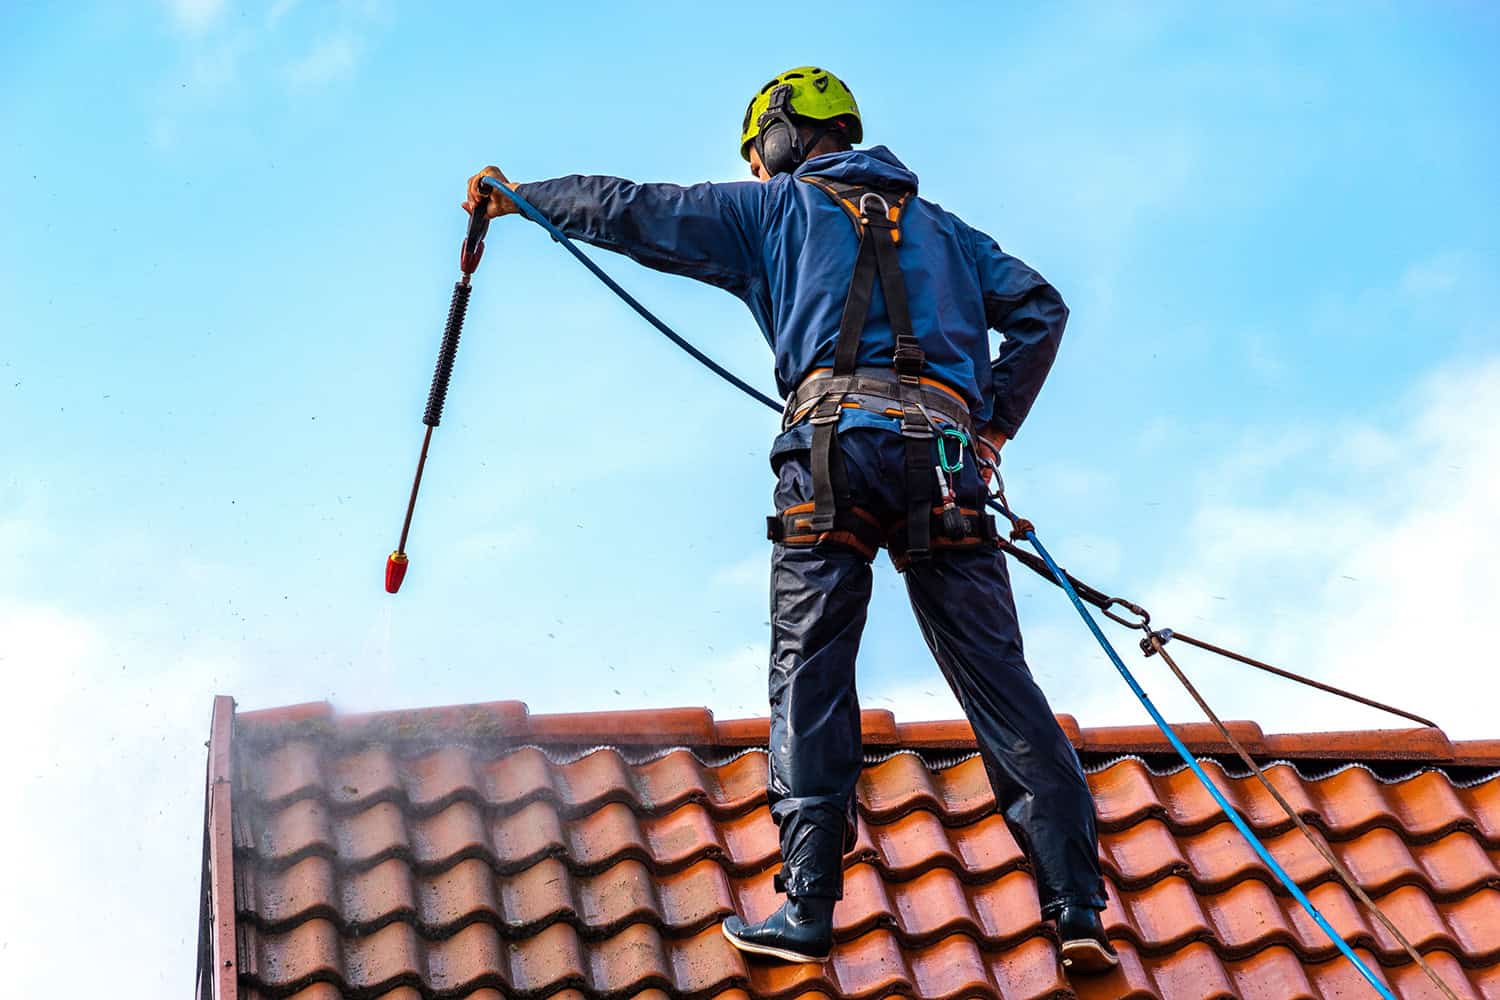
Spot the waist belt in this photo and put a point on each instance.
(877, 390)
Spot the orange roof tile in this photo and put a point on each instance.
(482, 852)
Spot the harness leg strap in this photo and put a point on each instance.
(830, 478)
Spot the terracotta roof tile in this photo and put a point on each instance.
(1193, 970)
(460, 893)
(481, 852)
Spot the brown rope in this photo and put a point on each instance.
(1338, 866)
(1300, 679)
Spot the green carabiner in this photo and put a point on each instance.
(963, 442)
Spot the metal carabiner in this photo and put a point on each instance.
(1144, 616)
(997, 482)
(963, 442)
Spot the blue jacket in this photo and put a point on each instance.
(787, 250)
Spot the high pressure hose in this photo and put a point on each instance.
(1023, 529)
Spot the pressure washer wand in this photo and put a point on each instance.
(468, 260)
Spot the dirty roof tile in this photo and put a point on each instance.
(475, 852)
(284, 896)
(364, 837)
(457, 894)
(551, 959)
(517, 778)
(458, 831)
(361, 777)
(521, 838)
(434, 780)
(694, 897)
(536, 895)
(377, 895)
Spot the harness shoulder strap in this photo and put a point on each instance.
(876, 215)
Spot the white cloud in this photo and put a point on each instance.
(220, 58)
(280, 9)
(1434, 276)
(195, 15)
(331, 59)
(928, 698)
(1377, 574)
(1263, 359)
(104, 747)
(482, 545)
(23, 524)
(752, 572)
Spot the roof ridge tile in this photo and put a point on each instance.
(695, 725)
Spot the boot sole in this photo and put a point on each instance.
(761, 949)
(1087, 957)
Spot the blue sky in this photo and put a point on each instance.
(227, 239)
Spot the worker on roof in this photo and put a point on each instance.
(877, 305)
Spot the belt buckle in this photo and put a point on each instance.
(826, 409)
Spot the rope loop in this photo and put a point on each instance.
(1143, 617)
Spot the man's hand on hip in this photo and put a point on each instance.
(498, 204)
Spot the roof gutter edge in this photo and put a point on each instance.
(223, 977)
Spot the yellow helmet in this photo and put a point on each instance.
(811, 93)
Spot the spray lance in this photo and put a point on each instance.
(468, 260)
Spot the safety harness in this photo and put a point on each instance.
(934, 518)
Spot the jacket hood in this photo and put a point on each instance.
(874, 166)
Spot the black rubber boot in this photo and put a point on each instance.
(1084, 946)
(800, 931)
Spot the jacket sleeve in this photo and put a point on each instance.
(1030, 316)
(710, 232)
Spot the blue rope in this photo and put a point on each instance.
(530, 212)
(1192, 762)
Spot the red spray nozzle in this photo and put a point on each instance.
(395, 571)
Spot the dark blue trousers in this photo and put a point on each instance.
(963, 605)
